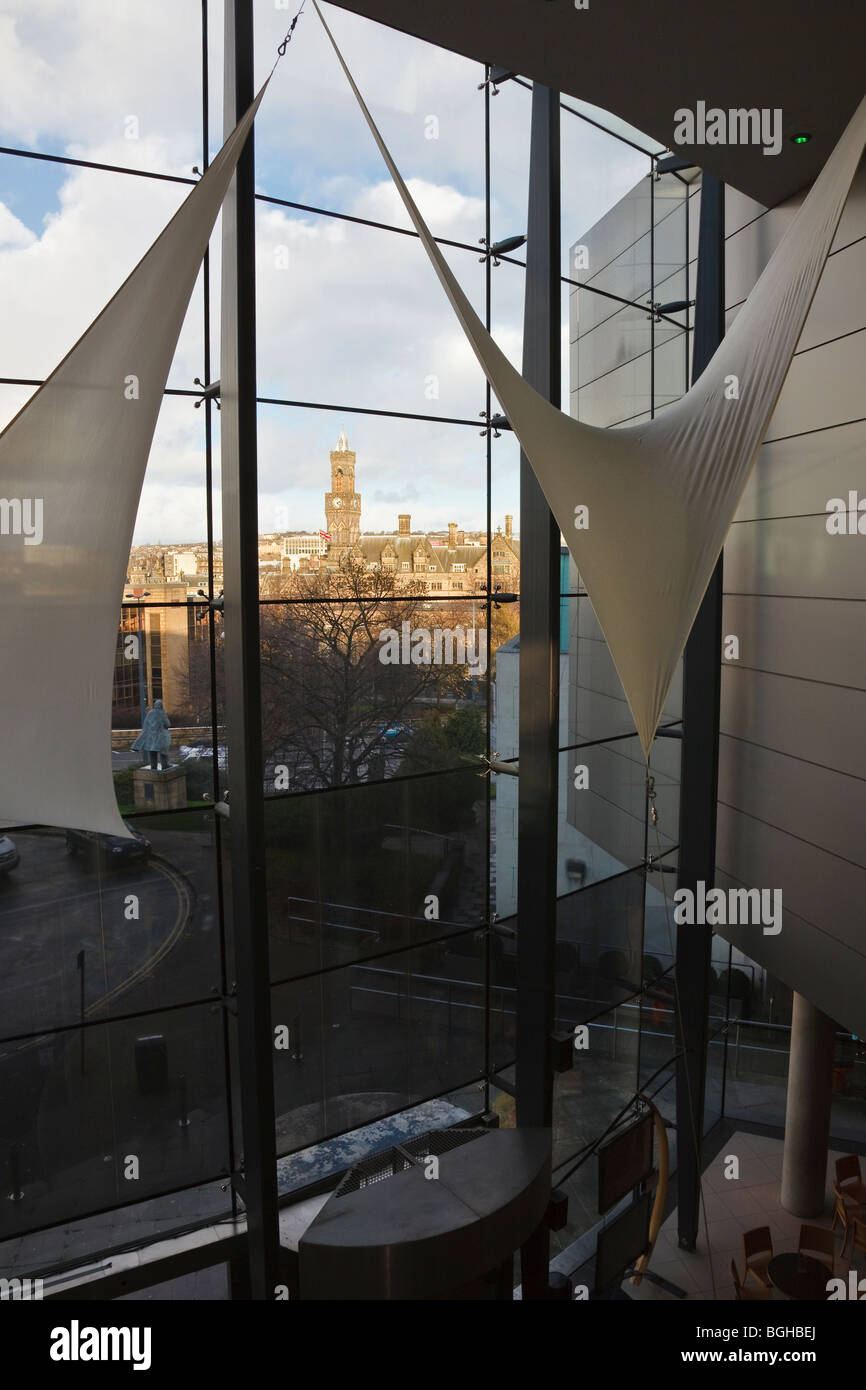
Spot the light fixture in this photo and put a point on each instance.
(676, 306)
(501, 248)
(801, 138)
(511, 243)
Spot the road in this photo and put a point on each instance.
(54, 906)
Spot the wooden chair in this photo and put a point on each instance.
(818, 1242)
(745, 1294)
(757, 1253)
(850, 1179)
(847, 1168)
(842, 1214)
(858, 1231)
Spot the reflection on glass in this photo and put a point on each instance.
(101, 925)
(386, 846)
(358, 873)
(372, 1039)
(90, 1112)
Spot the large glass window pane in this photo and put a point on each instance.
(94, 925)
(398, 346)
(424, 99)
(357, 873)
(372, 1039)
(112, 1113)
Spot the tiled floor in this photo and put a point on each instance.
(733, 1205)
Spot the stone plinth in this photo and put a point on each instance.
(159, 791)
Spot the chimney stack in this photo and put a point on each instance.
(509, 520)
(404, 524)
(461, 537)
(452, 535)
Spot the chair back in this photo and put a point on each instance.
(847, 1168)
(840, 1208)
(817, 1238)
(757, 1241)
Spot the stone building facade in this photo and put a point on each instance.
(452, 562)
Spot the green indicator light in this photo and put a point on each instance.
(802, 139)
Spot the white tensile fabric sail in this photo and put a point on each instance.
(72, 464)
(661, 496)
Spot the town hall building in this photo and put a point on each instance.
(446, 563)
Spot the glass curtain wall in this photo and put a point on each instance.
(628, 358)
(389, 557)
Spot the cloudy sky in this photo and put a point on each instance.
(348, 315)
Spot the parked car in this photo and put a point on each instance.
(395, 733)
(111, 848)
(9, 856)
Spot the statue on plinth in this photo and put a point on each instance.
(155, 738)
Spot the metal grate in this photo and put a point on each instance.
(397, 1159)
(440, 1141)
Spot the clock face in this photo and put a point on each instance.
(338, 502)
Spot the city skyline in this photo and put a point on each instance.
(407, 523)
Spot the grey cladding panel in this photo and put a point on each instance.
(805, 959)
(813, 639)
(818, 805)
(794, 555)
(819, 887)
(797, 477)
(823, 387)
(803, 719)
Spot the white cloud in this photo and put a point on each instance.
(357, 318)
(12, 232)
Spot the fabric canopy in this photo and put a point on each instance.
(72, 464)
(661, 496)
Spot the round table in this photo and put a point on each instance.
(800, 1276)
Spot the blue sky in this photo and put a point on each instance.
(347, 315)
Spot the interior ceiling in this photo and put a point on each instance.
(643, 59)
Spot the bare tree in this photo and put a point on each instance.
(328, 700)
(327, 697)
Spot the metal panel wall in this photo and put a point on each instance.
(792, 759)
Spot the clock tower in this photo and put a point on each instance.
(342, 503)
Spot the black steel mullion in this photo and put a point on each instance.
(362, 221)
(368, 410)
(489, 912)
(211, 628)
(563, 106)
(50, 1030)
(700, 762)
(539, 671)
(539, 639)
(95, 164)
(243, 673)
(607, 294)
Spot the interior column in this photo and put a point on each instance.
(807, 1114)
